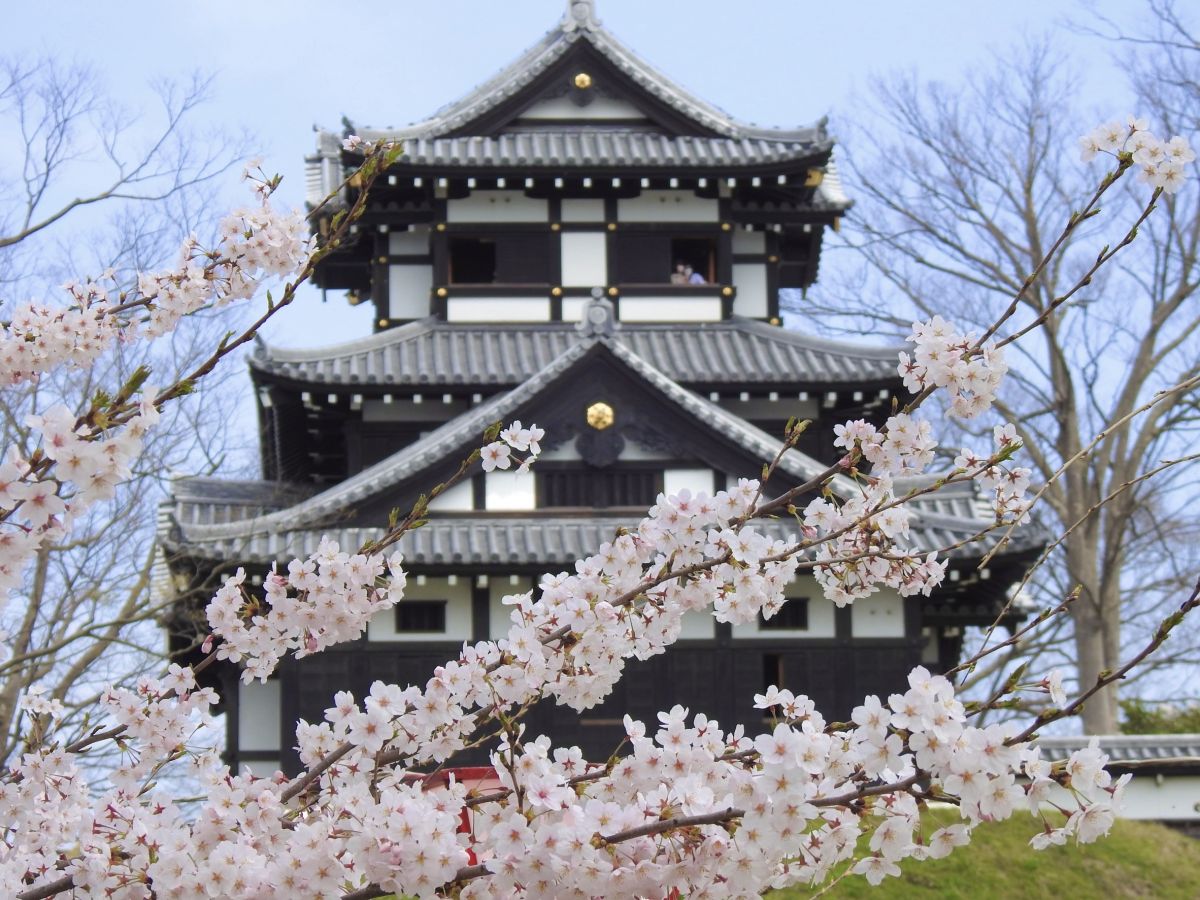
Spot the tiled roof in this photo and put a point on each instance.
(212, 501)
(438, 141)
(480, 540)
(458, 433)
(1140, 750)
(516, 76)
(942, 520)
(433, 352)
(595, 149)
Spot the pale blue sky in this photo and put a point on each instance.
(283, 67)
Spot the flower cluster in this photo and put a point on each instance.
(1161, 164)
(904, 447)
(324, 600)
(1006, 484)
(498, 454)
(692, 807)
(944, 358)
(160, 714)
(256, 244)
(861, 553)
(38, 503)
(87, 460)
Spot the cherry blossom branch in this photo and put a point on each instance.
(1160, 635)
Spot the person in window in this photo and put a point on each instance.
(679, 276)
(693, 277)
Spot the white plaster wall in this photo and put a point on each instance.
(749, 241)
(258, 716)
(694, 480)
(498, 309)
(751, 282)
(584, 259)
(572, 308)
(667, 206)
(566, 108)
(497, 206)
(697, 626)
(1166, 797)
(509, 491)
(670, 309)
(413, 241)
(408, 291)
(879, 615)
(459, 498)
(382, 626)
(577, 210)
(499, 615)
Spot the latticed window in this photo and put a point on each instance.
(598, 488)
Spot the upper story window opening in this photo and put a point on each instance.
(649, 257)
(519, 258)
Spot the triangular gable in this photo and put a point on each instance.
(589, 82)
(617, 79)
(651, 412)
(712, 436)
(595, 368)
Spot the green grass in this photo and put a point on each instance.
(1137, 859)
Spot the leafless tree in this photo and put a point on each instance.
(84, 188)
(957, 205)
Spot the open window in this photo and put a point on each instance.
(695, 259)
(654, 258)
(472, 260)
(499, 259)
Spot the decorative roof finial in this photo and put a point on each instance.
(580, 14)
(599, 319)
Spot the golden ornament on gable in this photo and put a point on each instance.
(600, 415)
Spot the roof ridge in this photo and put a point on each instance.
(818, 342)
(579, 23)
(264, 352)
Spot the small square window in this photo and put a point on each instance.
(421, 616)
(792, 617)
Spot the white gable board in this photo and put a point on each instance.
(599, 109)
(497, 206)
(667, 206)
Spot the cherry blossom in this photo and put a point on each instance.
(1160, 164)
(684, 804)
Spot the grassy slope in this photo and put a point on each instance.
(1137, 859)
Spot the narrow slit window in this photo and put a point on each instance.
(772, 664)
